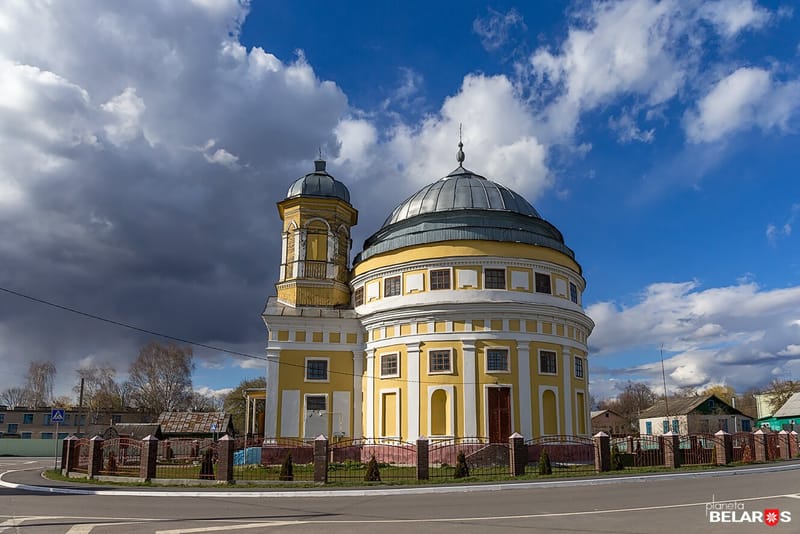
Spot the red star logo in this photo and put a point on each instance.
(772, 517)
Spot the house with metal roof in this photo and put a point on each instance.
(461, 317)
(195, 424)
(787, 417)
(692, 415)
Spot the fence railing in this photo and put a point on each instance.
(282, 459)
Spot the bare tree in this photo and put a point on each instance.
(161, 378)
(204, 403)
(636, 396)
(14, 397)
(63, 401)
(101, 392)
(41, 376)
(726, 393)
(779, 392)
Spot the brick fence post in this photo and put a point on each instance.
(794, 446)
(724, 447)
(225, 447)
(602, 452)
(147, 465)
(783, 445)
(95, 456)
(518, 454)
(321, 459)
(69, 455)
(759, 446)
(423, 458)
(672, 450)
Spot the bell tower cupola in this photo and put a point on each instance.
(315, 252)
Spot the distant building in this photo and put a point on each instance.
(787, 417)
(691, 415)
(610, 422)
(35, 423)
(195, 424)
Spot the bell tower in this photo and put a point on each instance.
(315, 252)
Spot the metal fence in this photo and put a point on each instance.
(277, 459)
(481, 457)
(121, 457)
(568, 455)
(743, 446)
(186, 459)
(82, 465)
(698, 449)
(350, 459)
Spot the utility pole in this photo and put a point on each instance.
(80, 410)
(664, 379)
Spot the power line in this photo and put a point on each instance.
(196, 343)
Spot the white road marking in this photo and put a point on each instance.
(17, 521)
(86, 528)
(232, 527)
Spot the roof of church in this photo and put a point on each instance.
(319, 184)
(463, 206)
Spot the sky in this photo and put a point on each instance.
(144, 145)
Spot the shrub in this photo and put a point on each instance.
(207, 465)
(373, 473)
(544, 463)
(111, 463)
(287, 470)
(616, 459)
(462, 469)
(747, 455)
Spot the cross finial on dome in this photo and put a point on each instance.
(460, 153)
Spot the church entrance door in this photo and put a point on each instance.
(499, 414)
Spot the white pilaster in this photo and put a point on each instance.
(470, 390)
(567, 370)
(412, 371)
(525, 406)
(370, 430)
(284, 244)
(358, 405)
(271, 408)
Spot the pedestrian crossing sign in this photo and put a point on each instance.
(57, 415)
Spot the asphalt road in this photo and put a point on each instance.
(655, 505)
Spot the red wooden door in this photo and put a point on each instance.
(499, 414)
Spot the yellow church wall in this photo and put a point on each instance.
(530, 326)
(283, 335)
(422, 328)
(449, 249)
(547, 328)
(497, 325)
(560, 330)
(405, 329)
(458, 326)
(352, 338)
(439, 327)
(477, 326)
(335, 337)
(300, 335)
(483, 377)
(513, 325)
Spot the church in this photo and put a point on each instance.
(460, 317)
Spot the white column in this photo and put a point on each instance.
(470, 390)
(284, 243)
(370, 430)
(358, 405)
(301, 254)
(525, 406)
(567, 393)
(412, 371)
(271, 408)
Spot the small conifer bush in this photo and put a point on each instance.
(545, 468)
(287, 469)
(616, 459)
(207, 465)
(462, 469)
(373, 473)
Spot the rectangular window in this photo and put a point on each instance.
(116, 419)
(316, 402)
(358, 296)
(439, 361)
(676, 426)
(665, 424)
(543, 283)
(648, 428)
(497, 360)
(63, 435)
(391, 286)
(389, 365)
(745, 425)
(316, 369)
(27, 435)
(27, 419)
(2, 417)
(440, 279)
(495, 278)
(578, 367)
(46, 419)
(573, 292)
(12, 428)
(547, 362)
(47, 435)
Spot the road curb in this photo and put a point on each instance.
(367, 492)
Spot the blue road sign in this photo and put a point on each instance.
(57, 415)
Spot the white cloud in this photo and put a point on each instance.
(774, 233)
(627, 129)
(745, 98)
(739, 333)
(211, 392)
(494, 29)
(126, 109)
(733, 16)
